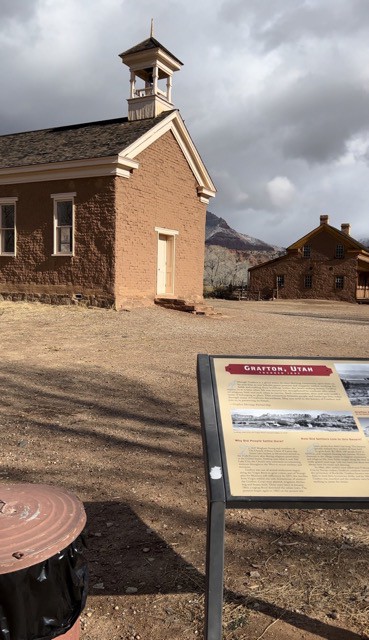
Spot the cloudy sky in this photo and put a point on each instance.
(275, 94)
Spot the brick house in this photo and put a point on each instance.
(107, 212)
(326, 263)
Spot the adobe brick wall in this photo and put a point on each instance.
(322, 266)
(161, 193)
(34, 273)
(115, 257)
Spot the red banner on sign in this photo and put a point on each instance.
(279, 369)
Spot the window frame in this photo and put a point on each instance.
(339, 282)
(3, 202)
(280, 281)
(339, 251)
(306, 251)
(62, 197)
(308, 281)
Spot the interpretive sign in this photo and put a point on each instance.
(294, 427)
(279, 432)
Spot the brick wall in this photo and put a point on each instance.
(34, 273)
(322, 266)
(161, 193)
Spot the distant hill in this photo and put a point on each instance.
(218, 232)
(229, 254)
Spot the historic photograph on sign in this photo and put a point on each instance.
(266, 420)
(355, 379)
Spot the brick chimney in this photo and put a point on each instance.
(346, 228)
(324, 219)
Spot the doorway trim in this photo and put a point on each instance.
(170, 235)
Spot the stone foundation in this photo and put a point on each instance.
(60, 299)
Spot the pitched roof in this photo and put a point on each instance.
(74, 142)
(272, 261)
(146, 45)
(340, 235)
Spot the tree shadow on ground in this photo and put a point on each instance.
(128, 557)
(104, 435)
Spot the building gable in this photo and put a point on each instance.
(334, 234)
(175, 124)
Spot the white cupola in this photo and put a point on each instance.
(152, 63)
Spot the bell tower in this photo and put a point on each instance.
(153, 64)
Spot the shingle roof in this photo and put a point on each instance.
(74, 142)
(146, 45)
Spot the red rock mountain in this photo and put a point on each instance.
(229, 254)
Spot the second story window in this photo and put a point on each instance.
(308, 281)
(280, 282)
(306, 251)
(63, 223)
(340, 251)
(7, 227)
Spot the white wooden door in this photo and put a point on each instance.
(162, 264)
(165, 274)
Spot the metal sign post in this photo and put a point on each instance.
(258, 412)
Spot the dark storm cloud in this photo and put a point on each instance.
(275, 94)
(20, 10)
(317, 20)
(289, 21)
(312, 119)
(317, 116)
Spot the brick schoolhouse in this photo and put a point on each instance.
(326, 263)
(107, 212)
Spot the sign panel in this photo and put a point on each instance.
(293, 428)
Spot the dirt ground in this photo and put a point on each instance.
(105, 404)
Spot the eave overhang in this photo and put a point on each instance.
(88, 168)
(268, 262)
(364, 260)
(121, 164)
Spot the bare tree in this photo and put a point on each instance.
(224, 267)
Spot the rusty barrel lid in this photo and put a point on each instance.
(36, 522)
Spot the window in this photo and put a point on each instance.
(339, 282)
(280, 282)
(306, 251)
(340, 251)
(308, 281)
(63, 224)
(7, 226)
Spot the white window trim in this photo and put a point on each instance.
(59, 197)
(11, 200)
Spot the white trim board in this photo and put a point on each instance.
(119, 165)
